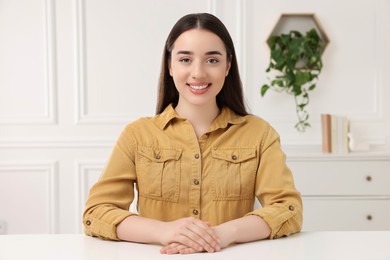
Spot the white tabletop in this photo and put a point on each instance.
(307, 245)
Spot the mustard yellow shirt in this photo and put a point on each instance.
(215, 178)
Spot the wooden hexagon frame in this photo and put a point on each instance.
(301, 22)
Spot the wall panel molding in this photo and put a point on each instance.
(380, 49)
(50, 75)
(50, 170)
(212, 6)
(80, 59)
(102, 143)
(241, 50)
(81, 79)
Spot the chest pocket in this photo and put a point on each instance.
(158, 172)
(234, 173)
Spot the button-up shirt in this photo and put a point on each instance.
(215, 178)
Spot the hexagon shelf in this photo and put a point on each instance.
(295, 60)
(301, 22)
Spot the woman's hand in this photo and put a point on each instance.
(245, 229)
(188, 235)
(224, 237)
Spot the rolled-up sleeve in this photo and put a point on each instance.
(275, 189)
(110, 198)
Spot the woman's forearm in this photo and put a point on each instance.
(245, 229)
(139, 229)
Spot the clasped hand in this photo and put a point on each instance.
(189, 235)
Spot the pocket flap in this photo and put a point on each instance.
(234, 155)
(158, 154)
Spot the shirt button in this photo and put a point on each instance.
(196, 156)
(291, 207)
(158, 157)
(275, 237)
(196, 182)
(195, 212)
(234, 157)
(88, 222)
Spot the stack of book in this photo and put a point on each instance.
(335, 130)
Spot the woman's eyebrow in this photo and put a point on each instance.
(207, 53)
(214, 53)
(184, 52)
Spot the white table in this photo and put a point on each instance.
(307, 245)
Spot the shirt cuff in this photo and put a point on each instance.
(283, 220)
(105, 228)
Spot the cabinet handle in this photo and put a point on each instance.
(368, 178)
(369, 217)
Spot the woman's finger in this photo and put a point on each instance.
(207, 227)
(176, 248)
(204, 236)
(191, 239)
(187, 250)
(170, 248)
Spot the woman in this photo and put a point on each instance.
(200, 162)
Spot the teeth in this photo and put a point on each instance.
(199, 87)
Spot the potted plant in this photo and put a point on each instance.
(295, 63)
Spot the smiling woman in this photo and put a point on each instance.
(200, 162)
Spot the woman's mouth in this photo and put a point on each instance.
(199, 87)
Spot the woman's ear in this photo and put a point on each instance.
(228, 65)
(169, 68)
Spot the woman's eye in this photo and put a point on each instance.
(184, 60)
(212, 60)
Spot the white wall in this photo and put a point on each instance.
(355, 75)
(73, 73)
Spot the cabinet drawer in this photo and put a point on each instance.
(342, 177)
(345, 214)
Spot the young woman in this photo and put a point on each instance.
(200, 162)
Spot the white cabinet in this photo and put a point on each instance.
(343, 192)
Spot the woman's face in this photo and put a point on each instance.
(198, 66)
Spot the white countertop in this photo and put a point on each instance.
(307, 245)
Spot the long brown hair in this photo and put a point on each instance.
(231, 94)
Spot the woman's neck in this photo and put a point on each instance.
(201, 117)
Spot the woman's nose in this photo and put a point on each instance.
(198, 70)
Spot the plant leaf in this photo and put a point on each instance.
(272, 41)
(297, 90)
(302, 78)
(264, 89)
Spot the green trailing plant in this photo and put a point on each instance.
(296, 63)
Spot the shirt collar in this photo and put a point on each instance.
(166, 116)
(227, 116)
